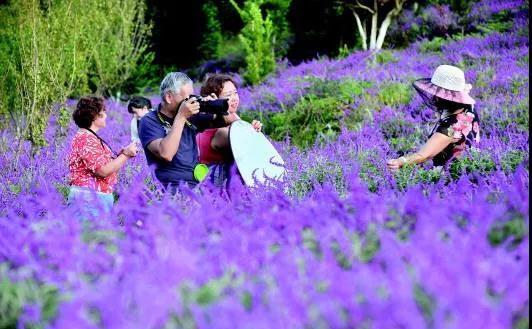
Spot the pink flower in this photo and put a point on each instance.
(475, 127)
(464, 124)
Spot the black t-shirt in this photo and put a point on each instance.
(463, 127)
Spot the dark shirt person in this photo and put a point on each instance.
(168, 134)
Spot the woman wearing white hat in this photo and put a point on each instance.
(448, 94)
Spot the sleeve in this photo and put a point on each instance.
(134, 130)
(93, 154)
(150, 130)
(207, 120)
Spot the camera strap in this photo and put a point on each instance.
(168, 126)
(102, 141)
(201, 170)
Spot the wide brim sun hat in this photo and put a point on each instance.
(448, 83)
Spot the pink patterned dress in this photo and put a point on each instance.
(464, 128)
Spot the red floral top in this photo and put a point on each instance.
(87, 155)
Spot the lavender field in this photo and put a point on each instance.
(342, 243)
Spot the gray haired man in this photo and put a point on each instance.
(168, 135)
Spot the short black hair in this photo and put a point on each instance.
(138, 102)
(87, 110)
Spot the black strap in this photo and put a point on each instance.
(168, 125)
(103, 142)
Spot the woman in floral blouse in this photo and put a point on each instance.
(448, 94)
(92, 163)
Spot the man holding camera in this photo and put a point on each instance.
(168, 135)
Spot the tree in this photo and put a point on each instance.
(373, 10)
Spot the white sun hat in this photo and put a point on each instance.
(447, 82)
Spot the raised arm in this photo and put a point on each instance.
(167, 147)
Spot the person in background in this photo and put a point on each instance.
(458, 126)
(168, 134)
(92, 164)
(138, 106)
(214, 147)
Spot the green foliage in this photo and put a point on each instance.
(117, 36)
(311, 243)
(310, 119)
(473, 162)
(366, 245)
(264, 36)
(394, 94)
(210, 47)
(521, 321)
(514, 229)
(397, 133)
(369, 171)
(410, 175)
(60, 49)
(318, 114)
(344, 51)
(14, 295)
(512, 159)
(386, 56)
(278, 12)
(434, 45)
(258, 40)
(404, 144)
(318, 174)
(499, 22)
(426, 304)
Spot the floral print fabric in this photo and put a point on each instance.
(87, 155)
(464, 128)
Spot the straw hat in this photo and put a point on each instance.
(447, 82)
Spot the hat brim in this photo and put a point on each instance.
(454, 96)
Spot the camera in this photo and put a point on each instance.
(216, 106)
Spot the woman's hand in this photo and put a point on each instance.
(257, 125)
(395, 164)
(131, 150)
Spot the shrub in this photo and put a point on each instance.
(16, 295)
(369, 172)
(394, 94)
(512, 159)
(411, 175)
(514, 229)
(258, 40)
(474, 162)
(117, 41)
(213, 33)
(318, 174)
(318, 114)
(310, 119)
(59, 50)
(386, 56)
(434, 45)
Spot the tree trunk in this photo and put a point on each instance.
(374, 27)
(384, 28)
(361, 32)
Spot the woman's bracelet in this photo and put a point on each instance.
(403, 160)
